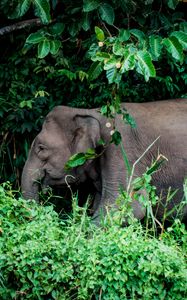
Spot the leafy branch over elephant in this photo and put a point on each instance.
(68, 131)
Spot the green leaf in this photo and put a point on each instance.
(86, 22)
(155, 43)
(23, 7)
(101, 142)
(156, 164)
(35, 38)
(57, 28)
(129, 61)
(107, 13)
(125, 159)
(174, 47)
(75, 160)
(172, 3)
(145, 65)
(99, 34)
(129, 119)
(79, 159)
(26, 126)
(43, 48)
(118, 48)
(82, 75)
(183, 26)
(104, 110)
(74, 28)
(138, 34)
(116, 138)
(92, 51)
(95, 70)
(90, 153)
(42, 9)
(111, 75)
(26, 103)
(110, 63)
(102, 56)
(54, 4)
(166, 21)
(54, 46)
(182, 37)
(68, 74)
(124, 35)
(90, 5)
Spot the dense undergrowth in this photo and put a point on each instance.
(43, 256)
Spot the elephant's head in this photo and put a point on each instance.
(66, 131)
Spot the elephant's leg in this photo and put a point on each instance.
(108, 200)
(103, 202)
(96, 202)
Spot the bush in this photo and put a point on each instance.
(44, 257)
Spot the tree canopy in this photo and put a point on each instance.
(84, 54)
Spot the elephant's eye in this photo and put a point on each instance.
(41, 147)
(42, 152)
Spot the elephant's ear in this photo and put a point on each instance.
(87, 132)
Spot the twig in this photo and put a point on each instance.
(20, 25)
(100, 293)
(106, 29)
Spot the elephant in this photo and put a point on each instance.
(67, 131)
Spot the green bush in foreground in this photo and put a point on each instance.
(42, 257)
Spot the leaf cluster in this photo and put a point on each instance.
(133, 50)
(17, 9)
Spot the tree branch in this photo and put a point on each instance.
(20, 25)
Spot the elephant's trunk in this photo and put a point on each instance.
(30, 181)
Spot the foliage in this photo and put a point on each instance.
(41, 256)
(71, 55)
(80, 158)
(132, 50)
(18, 9)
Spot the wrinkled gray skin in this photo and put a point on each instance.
(67, 131)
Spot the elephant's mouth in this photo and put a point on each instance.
(64, 181)
(59, 187)
(60, 193)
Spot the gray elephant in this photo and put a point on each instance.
(67, 131)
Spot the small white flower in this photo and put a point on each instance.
(112, 132)
(101, 44)
(108, 125)
(118, 65)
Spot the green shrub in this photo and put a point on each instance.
(43, 257)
